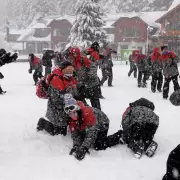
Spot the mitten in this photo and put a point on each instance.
(80, 153)
(30, 71)
(73, 150)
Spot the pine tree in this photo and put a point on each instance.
(87, 27)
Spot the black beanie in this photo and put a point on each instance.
(163, 47)
(65, 64)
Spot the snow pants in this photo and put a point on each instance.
(133, 68)
(157, 81)
(174, 79)
(107, 74)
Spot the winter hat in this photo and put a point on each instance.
(65, 64)
(69, 100)
(175, 98)
(95, 46)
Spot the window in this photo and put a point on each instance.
(130, 32)
(44, 32)
(60, 32)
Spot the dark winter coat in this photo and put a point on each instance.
(35, 63)
(132, 61)
(6, 58)
(169, 61)
(58, 59)
(47, 58)
(85, 130)
(139, 112)
(156, 61)
(106, 63)
(173, 164)
(141, 62)
(175, 98)
(59, 85)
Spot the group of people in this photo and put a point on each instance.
(73, 80)
(161, 62)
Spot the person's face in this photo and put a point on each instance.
(68, 70)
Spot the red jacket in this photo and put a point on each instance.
(168, 54)
(60, 82)
(79, 61)
(88, 119)
(156, 55)
(94, 54)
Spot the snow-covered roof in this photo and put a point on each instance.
(17, 32)
(28, 32)
(70, 18)
(175, 4)
(148, 17)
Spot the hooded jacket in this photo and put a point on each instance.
(90, 121)
(156, 61)
(59, 85)
(169, 61)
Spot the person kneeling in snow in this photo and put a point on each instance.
(139, 124)
(89, 127)
(61, 81)
(173, 165)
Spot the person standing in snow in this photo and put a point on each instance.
(36, 65)
(143, 67)
(170, 70)
(89, 128)
(61, 81)
(6, 58)
(156, 66)
(106, 66)
(93, 53)
(139, 123)
(132, 64)
(86, 72)
(173, 165)
(48, 55)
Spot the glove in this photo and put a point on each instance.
(80, 153)
(30, 71)
(73, 150)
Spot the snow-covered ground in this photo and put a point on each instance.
(28, 155)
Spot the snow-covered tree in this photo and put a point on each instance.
(30, 10)
(87, 27)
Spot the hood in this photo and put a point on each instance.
(57, 71)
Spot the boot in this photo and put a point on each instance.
(151, 149)
(45, 125)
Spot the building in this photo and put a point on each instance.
(134, 30)
(169, 33)
(48, 32)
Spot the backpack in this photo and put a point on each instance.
(43, 86)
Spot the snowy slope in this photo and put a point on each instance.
(28, 155)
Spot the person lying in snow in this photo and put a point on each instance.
(173, 165)
(139, 123)
(89, 127)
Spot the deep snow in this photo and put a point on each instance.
(28, 155)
